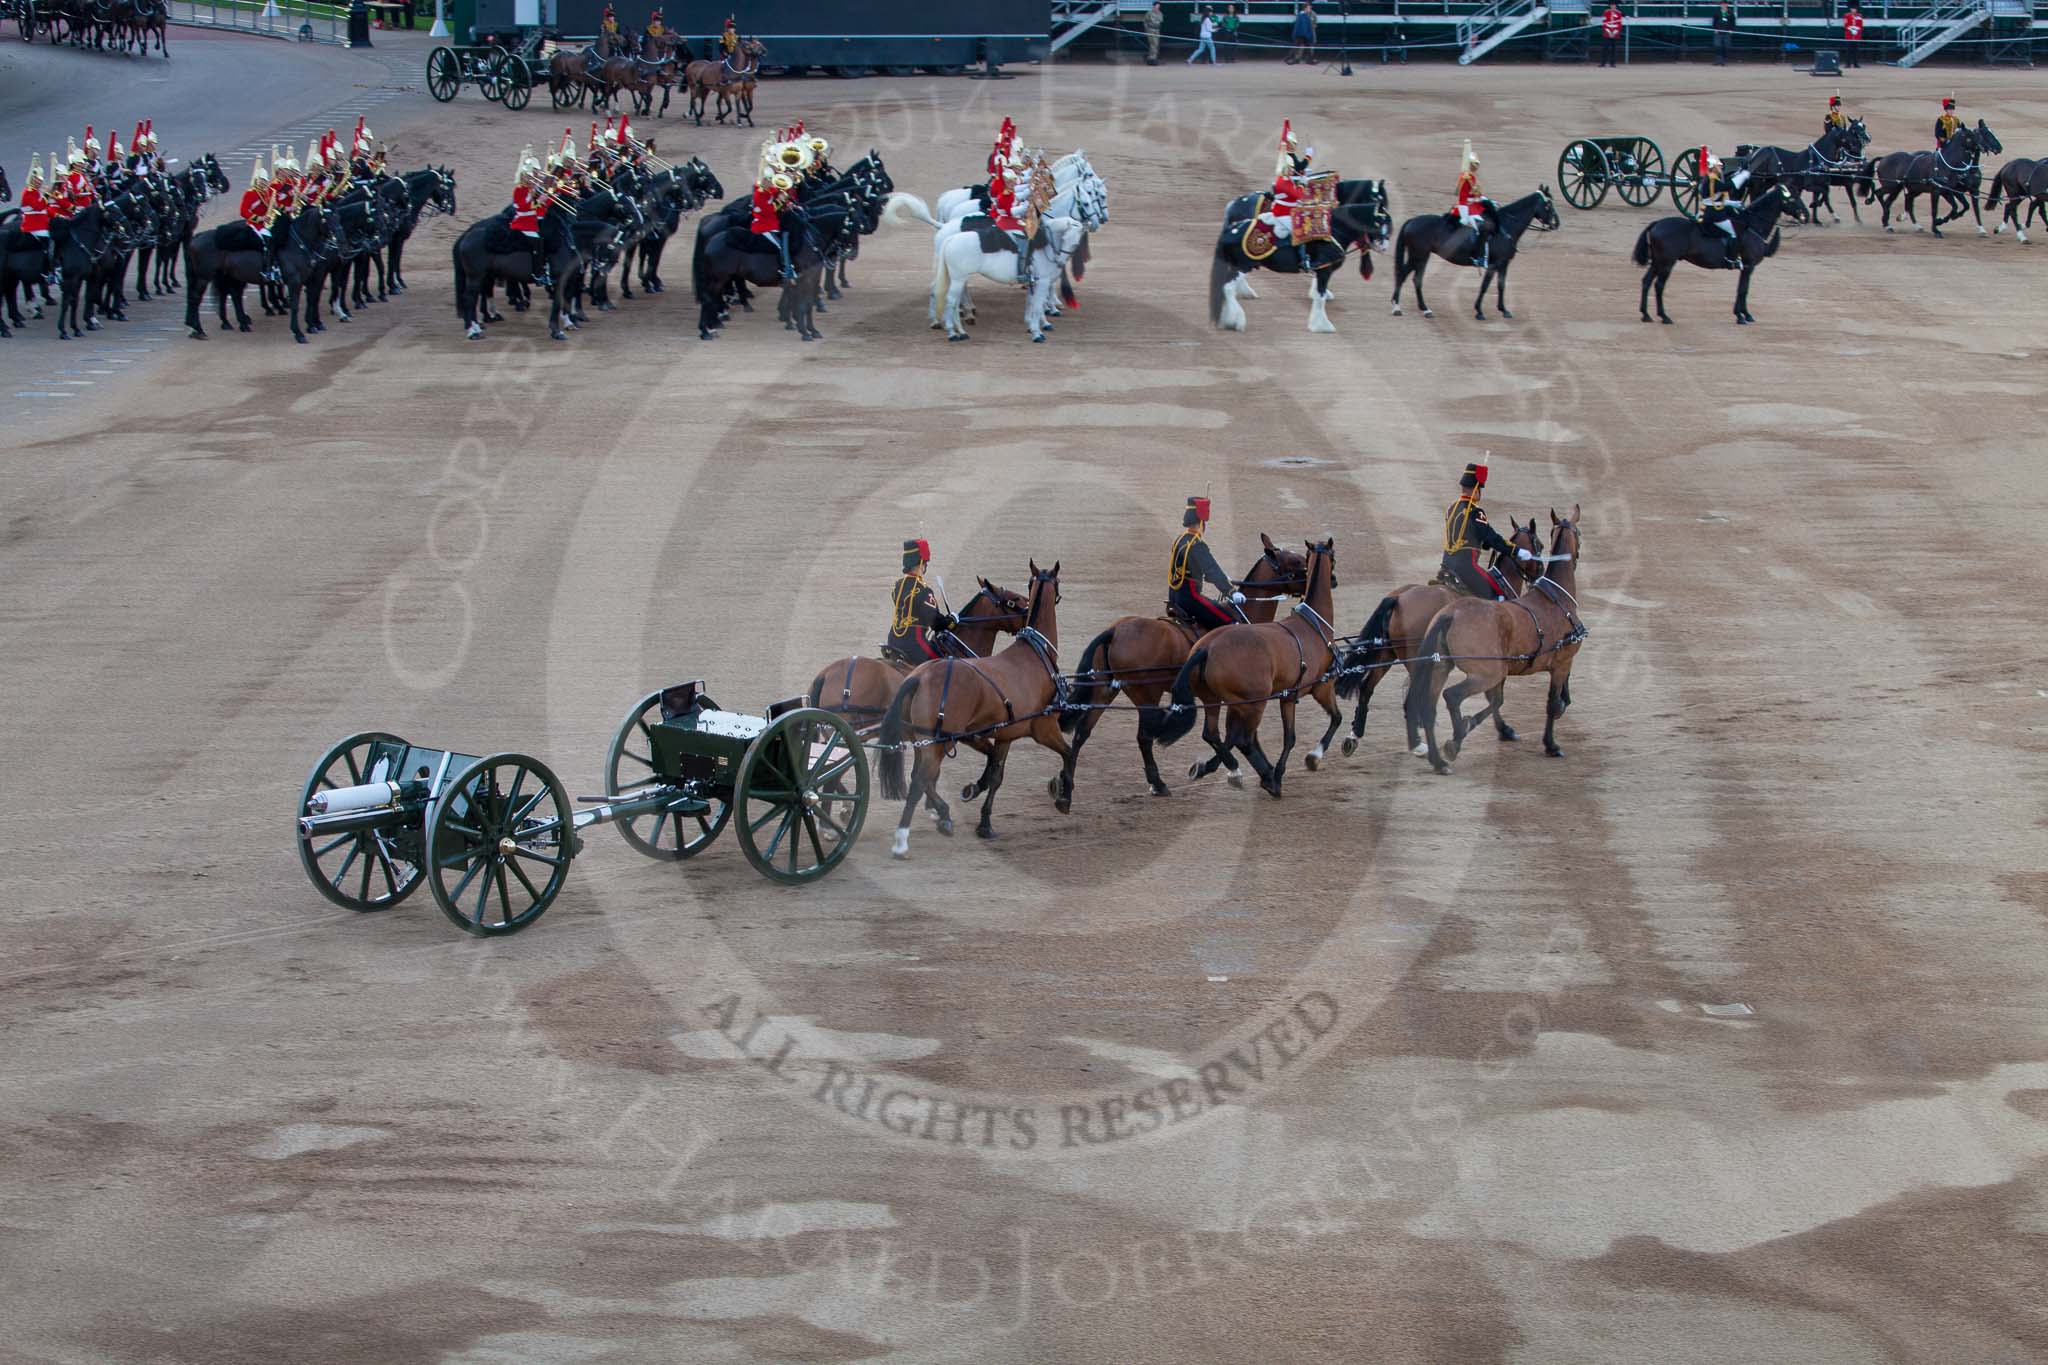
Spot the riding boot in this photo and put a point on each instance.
(271, 273)
(1734, 253)
(541, 278)
(782, 250)
(52, 275)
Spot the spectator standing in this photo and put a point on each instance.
(1155, 19)
(1206, 38)
(1230, 33)
(1852, 33)
(1304, 35)
(1610, 35)
(1724, 33)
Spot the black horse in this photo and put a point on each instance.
(1666, 242)
(427, 192)
(1441, 234)
(1836, 155)
(1360, 219)
(1948, 175)
(2024, 183)
(729, 252)
(489, 251)
(230, 259)
(89, 246)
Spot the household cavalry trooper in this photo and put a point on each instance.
(1717, 208)
(1467, 536)
(362, 152)
(284, 183)
(1194, 564)
(1473, 209)
(915, 615)
(77, 186)
(92, 148)
(1288, 190)
(257, 210)
(1944, 127)
(528, 207)
(35, 216)
(774, 194)
(1005, 135)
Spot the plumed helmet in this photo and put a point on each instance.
(1197, 513)
(916, 552)
(1287, 143)
(1471, 161)
(72, 156)
(137, 143)
(1473, 477)
(257, 175)
(113, 146)
(92, 144)
(35, 168)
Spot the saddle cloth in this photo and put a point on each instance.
(1257, 240)
(993, 238)
(238, 237)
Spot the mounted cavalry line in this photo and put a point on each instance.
(802, 221)
(1305, 224)
(1023, 227)
(1476, 232)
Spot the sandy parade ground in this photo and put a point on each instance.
(1719, 1039)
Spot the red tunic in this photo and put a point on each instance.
(1468, 193)
(255, 208)
(1610, 22)
(1287, 192)
(284, 197)
(78, 191)
(767, 209)
(35, 210)
(1852, 26)
(524, 218)
(1003, 206)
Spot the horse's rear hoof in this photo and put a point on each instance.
(984, 832)
(1553, 751)
(1161, 789)
(1428, 313)
(301, 340)
(946, 828)
(1442, 769)
(1420, 749)
(1506, 314)
(1666, 321)
(197, 335)
(1507, 734)
(1397, 310)
(1348, 748)
(1271, 787)
(1038, 339)
(1236, 779)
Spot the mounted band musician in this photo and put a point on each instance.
(920, 628)
(1193, 563)
(1473, 209)
(1290, 185)
(259, 210)
(529, 206)
(1467, 536)
(36, 207)
(774, 194)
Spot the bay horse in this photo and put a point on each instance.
(1432, 234)
(1950, 174)
(860, 687)
(1242, 667)
(1390, 636)
(2024, 183)
(1139, 657)
(731, 79)
(1360, 220)
(1666, 242)
(1009, 696)
(1490, 642)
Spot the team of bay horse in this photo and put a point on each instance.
(125, 26)
(1002, 681)
(636, 66)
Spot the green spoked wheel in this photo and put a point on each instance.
(363, 870)
(629, 766)
(515, 82)
(1685, 182)
(500, 836)
(802, 796)
(1583, 174)
(1640, 177)
(444, 74)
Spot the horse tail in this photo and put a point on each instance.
(1372, 638)
(1997, 181)
(1164, 725)
(1221, 273)
(461, 279)
(1067, 291)
(889, 754)
(1087, 688)
(1365, 261)
(1427, 684)
(1641, 255)
(910, 204)
(700, 264)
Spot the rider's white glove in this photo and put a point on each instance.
(1237, 599)
(1523, 554)
(1739, 179)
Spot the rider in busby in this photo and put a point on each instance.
(1194, 564)
(915, 614)
(1836, 119)
(1944, 127)
(1467, 536)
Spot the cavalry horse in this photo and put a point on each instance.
(1439, 234)
(731, 79)
(1812, 170)
(1390, 635)
(1666, 242)
(1490, 642)
(1360, 219)
(2024, 183)
(489, 251)
(1243, 667)
(1949, 174)
(229, 258)
(860, 687)
(1009, 696)
(1139, 657)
